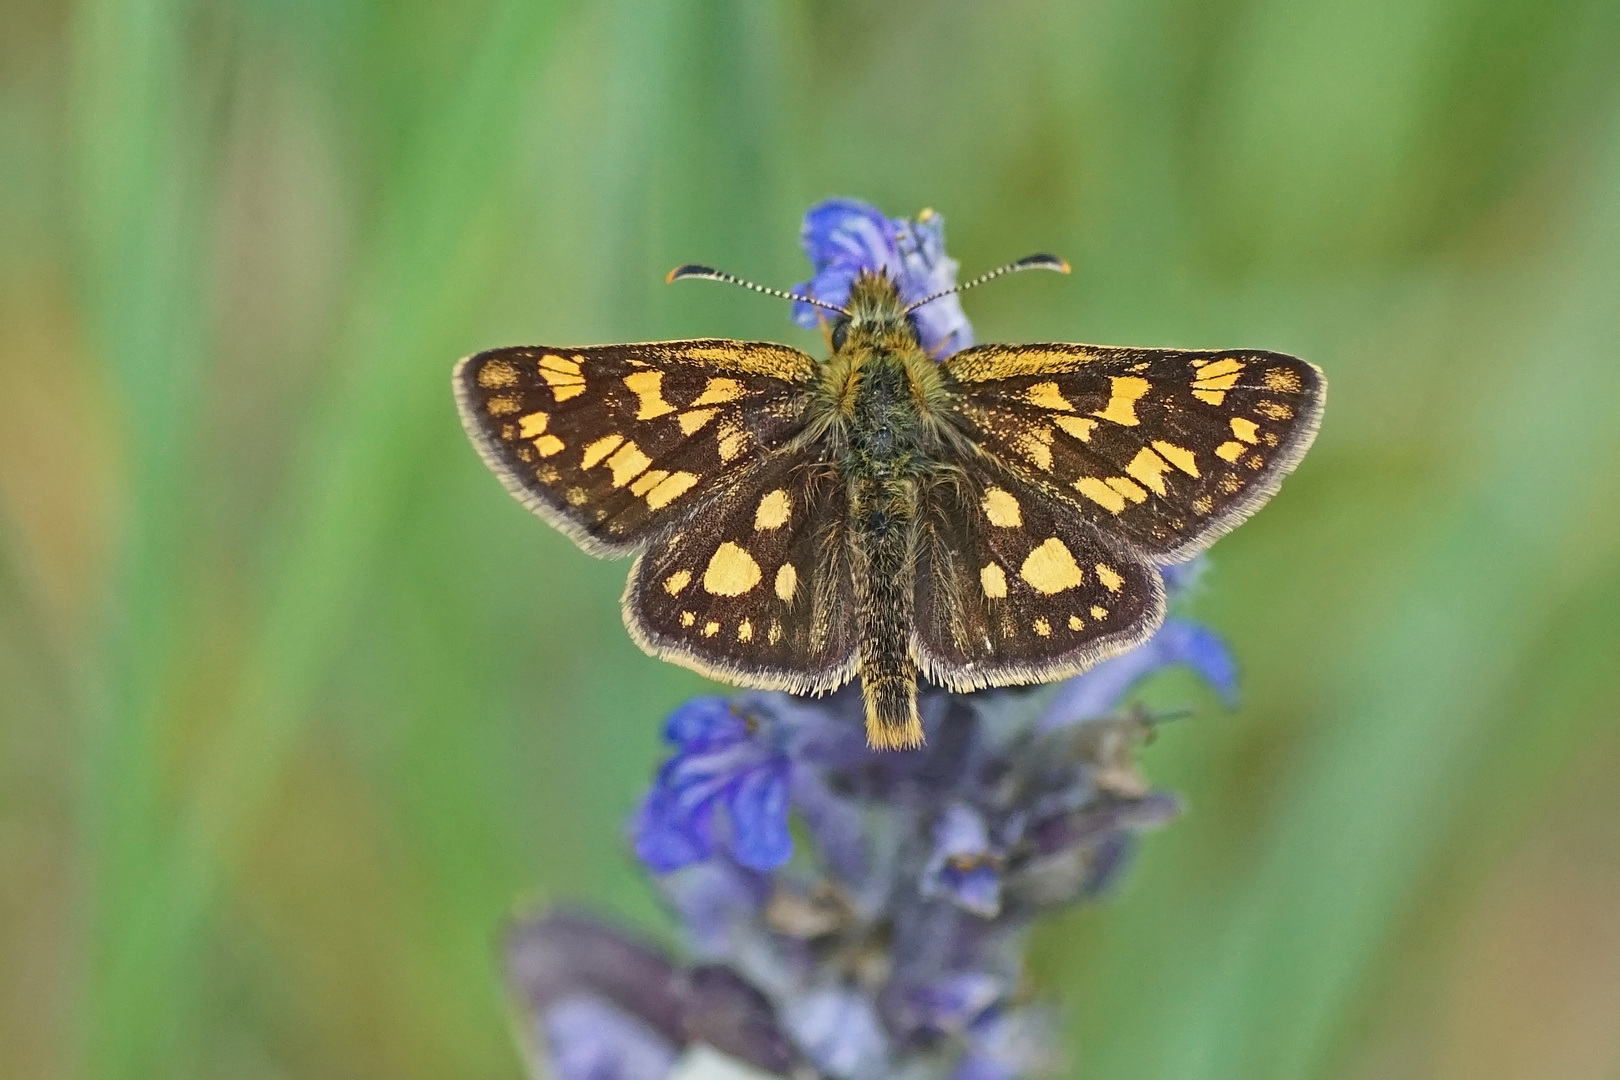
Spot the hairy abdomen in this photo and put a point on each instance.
(882, 536)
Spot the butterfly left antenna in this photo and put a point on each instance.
(1029, 262)
(692, 270)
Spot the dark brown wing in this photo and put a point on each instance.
(1015, 587)
(755, 589)
(1164, 449)
(615, 443)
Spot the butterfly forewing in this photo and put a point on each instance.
(614, 444)
(757, 587)
(1014, 587)
(1164, 449)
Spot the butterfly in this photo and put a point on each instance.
(991, 519)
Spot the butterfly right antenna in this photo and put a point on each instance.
(1028, 262)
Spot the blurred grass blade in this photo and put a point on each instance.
(389, 380)
(140, 171)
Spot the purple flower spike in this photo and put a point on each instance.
(1008, 1044)
(950, 1004)
(1098, 692)
(964, 869)
(588, 1039)
(720, 761)
(842, 237)
(840, 1031)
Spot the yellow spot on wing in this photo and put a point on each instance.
(1036, 444)
(1179, 456)
(647, 481)
(775, 634)
(627, 463)
(1042, 627)
(1229, 451)
(1121, 407)
(1226, 365)
(745, 631)
(692, 422)
(677, 581)
(1078, 426)
(1100, 493)
(598, 450)
(710, 629)
(1213, 380)
(648, 386)
(1002, 509)
(532, 425)
(787, 582)
(774, 510)
(687, 618)
(502, 406)
(756, 358)
(1275, 410)
(1050, 568)
(548, 445)
(1247, 430)
(563, 376)
(561, 365)
(732, 440)
(1099, 613)
(497, 374)
(1046, 395)
(1148, 467)
(732, 571)
(718, 392)
(1126, 488)
(670, 489)
(1279, 379)
(1075, 623)
(993, 580)
(1109, 577)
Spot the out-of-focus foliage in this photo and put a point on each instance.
(295, 702)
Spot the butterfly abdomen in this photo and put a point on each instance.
(885, 459)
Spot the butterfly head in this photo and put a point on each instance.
(877, 316)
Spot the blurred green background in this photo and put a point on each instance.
(296, 703)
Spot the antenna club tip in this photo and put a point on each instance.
(687, 270)
(1044, 261)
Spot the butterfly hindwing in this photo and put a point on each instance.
(1165, 449)
(1014, 587)
(757, 587)
(615, 443)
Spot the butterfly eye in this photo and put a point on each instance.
(840, 331)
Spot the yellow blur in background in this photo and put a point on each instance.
(296, 704)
